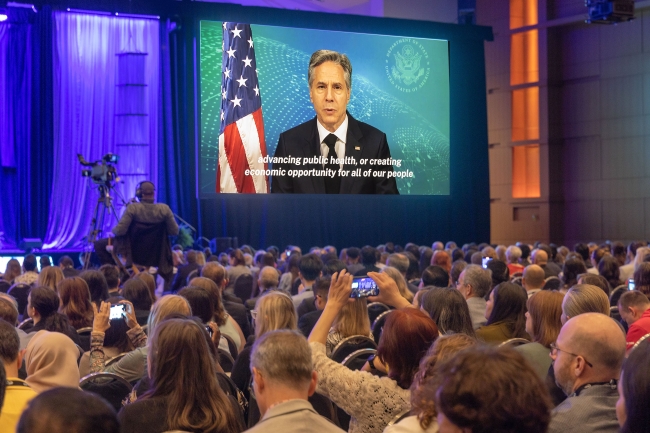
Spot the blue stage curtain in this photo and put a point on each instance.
(25, 125)
(85, 72)
(176, 157)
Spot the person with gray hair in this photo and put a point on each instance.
(334, 144)
(587, 360)
(283, 379)
(474, 284)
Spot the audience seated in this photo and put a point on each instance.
(505, 313)
(609, 269)
(12, 271)
(634, 392)
(399, 279)
(185, 393)
(75, 302)
(457, 267)
(634, 308)
(422, 418)
(587, 359)
(642, 278)
(474, 393)
(132, 366)
(237, 266)
(474, 284)
(368, 260)
(227, 325)
(533, 279)
(231, 304)
(291, 274)
(42, 306)
(9, 313)
(311, 267)
(17, 392)
(67, 410)
(513, 254)
(499, 270)
(50, 277)
(372, 401)
(352, 320)
(584, 298)
(273, 311)
(435, 276)
(30, 274)
(543, 323)
(448, 309)
(97, 285)
(51, 361)
(595, 280)
(135, 291)
(112, 275)
(67, 267)
(572, 268)
(283, 379)
(267, 280)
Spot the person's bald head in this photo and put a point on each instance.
(599, 340)
(533, 277)
(540, 257)
(268, 278)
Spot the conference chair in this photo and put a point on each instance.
(357, 359)
(147, 245)
(552, 283)
(400, 416)
(225, 360)
(645, 337)
(378, 325)
(243, 287)
(375, 309)
(25, 323)
(20, 292)
(615, 294)
(232, 347)
(114, 359)
(514, 342)
(84, 337)
(351, 344)
(4, 286)
(111, 387)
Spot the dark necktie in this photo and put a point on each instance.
(332, 185)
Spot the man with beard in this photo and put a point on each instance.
(587, 359)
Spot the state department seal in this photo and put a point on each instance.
(407, 65)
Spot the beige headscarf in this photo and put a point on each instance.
(51, 361)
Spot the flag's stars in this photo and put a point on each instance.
(224, 25)
(223, 93)
(236, 102)
(227, 73)
(257, 91)
(236, 33)
(256, 72)
(250, 42)
(222, 115)
(247, 61)
(231, 52)
(242, 81)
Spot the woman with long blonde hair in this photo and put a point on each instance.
(352, 320)
(400, 281)
(50, 277)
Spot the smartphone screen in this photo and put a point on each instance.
(630, 284)
(485, 261)
(363, 287)
(117, 311)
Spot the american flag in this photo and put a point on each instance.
(241, 136)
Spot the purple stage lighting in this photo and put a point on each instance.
(3, 17)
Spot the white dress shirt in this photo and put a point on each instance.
(341, 134)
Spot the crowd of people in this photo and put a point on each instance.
(478, 338)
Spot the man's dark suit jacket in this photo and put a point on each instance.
(363, 141)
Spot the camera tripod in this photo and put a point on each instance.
(104, 205)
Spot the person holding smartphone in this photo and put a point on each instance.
(372, 401)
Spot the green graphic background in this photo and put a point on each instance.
(416, 123)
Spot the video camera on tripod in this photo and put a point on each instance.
(101, 172)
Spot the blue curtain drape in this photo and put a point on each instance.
(85, 77)
(25, 125)
(176, 155)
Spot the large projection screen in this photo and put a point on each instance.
(400, 85)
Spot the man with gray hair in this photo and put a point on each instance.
(587, 359)
(283, 379)
(474, 284)
(334, 146)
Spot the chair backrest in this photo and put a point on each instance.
(616, 294)
(516, 275)
(232, 346)
(111, 387)
(400, 416)
(552, 283)
(375, 309)
(378, 325)
(225, 360)
(514, 342)
(22, 325)
(357, 359)
(351, 344)
(243, 287)
(85, 331)
(20, 292)
(614, 313)
(517, 280)
(4, 286)
(81, 353)
(114, 359)
(147, 241)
